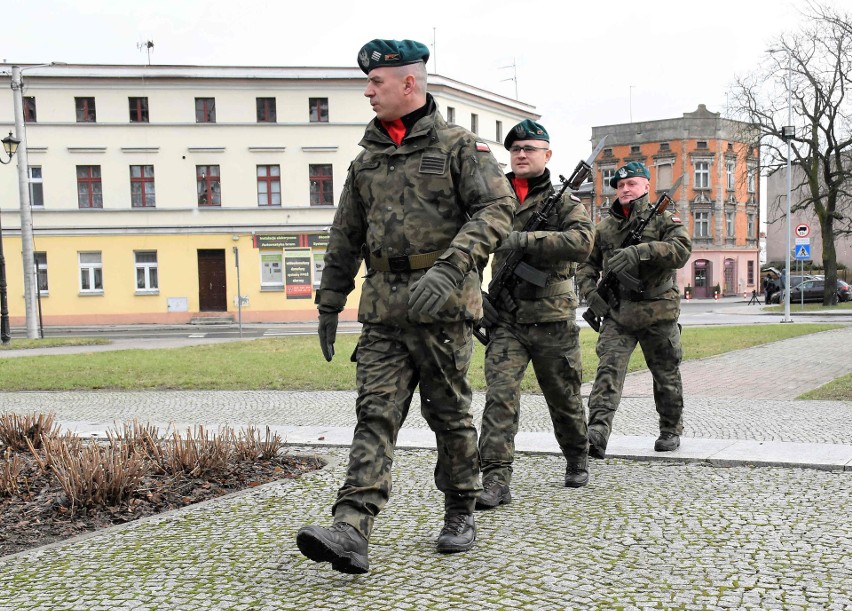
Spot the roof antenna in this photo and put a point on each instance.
(148, 45)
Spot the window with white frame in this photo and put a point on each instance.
(702, 175)
(606, 176)
(474, 123)
(702, 223)
(730, 217)
(730, 168)
(36, 187)
(91, 272)
(751, 225)
(271, 269)
(752, 171)
(451, 114)
(664, 176)
(41, 266)
(147, 277)
(498, 131)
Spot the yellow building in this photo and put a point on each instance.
(157, 190)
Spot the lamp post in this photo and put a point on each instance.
(787, 133)
(10, 146)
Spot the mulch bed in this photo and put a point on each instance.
(42, 514)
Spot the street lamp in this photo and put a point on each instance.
(788, 132)
(10, 146)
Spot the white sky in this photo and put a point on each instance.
(580, 64)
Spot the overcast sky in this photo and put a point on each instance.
(581, 64)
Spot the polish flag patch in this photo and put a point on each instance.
(676, 219)
(482, 147)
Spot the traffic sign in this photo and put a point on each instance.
(803, 241)
(803, 252)
(803, 230)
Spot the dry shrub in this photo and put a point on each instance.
(198, 452)
(19, 431)
(249, 446)
(98, 474)
(10, 474)
(144, 439)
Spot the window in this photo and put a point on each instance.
(606, 176)
(474, 123)
(729, 223)
(41, 266)
(451, 114)
(268, 185)
(702, 224)
(209, 189)
(36, 187)
(664, 176)
(266, 110)
(498, 131)
(146, 271)
(29, 109)
(664, 146)
(85, 110)
(701, 144)
(271, 270)
(89, 190)
(634, 149)
(138, 110)
(730, 167)
(142, 193)
(322, 185)
(318, 110)
(750, 229)
(205, 110)
(750, 179)
(91, 272)
(750, 273)
(702, 175)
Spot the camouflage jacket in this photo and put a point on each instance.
(670, 247)
(556, 248)
(440, 190)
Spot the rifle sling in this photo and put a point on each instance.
(403, 264)
(527, 291)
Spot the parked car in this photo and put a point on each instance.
(812, 291)
(778, 296)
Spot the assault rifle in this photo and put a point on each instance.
(500, 287)
(608, 286)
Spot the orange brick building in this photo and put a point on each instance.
(718, 199)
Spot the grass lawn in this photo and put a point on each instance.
(295, 363)
(838, 390)
(809, 307)
(53, 342)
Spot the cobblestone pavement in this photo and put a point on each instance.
(643, 534)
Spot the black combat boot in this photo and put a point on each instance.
(341, 545)
(667, 442)
(494, 493)
(597, 443)
(458, 534)
(577, 473)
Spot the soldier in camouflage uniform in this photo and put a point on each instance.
(537, 325)
(647, 316)
(425, 203)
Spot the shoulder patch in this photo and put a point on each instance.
(482, 147)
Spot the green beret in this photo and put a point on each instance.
(526, 130)
(380, 53)
(629, 170)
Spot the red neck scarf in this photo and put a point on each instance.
(521, 187)
(395, 129)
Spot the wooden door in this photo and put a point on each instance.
(212, 286)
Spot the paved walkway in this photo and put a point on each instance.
(699, 528)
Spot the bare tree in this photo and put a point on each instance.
(817, 60)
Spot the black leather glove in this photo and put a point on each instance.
(489, 312)
(327, 330)
(597, 304)
(433, 289)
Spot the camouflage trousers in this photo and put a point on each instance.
(554, 350)
(661, 347)
(391, 362)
